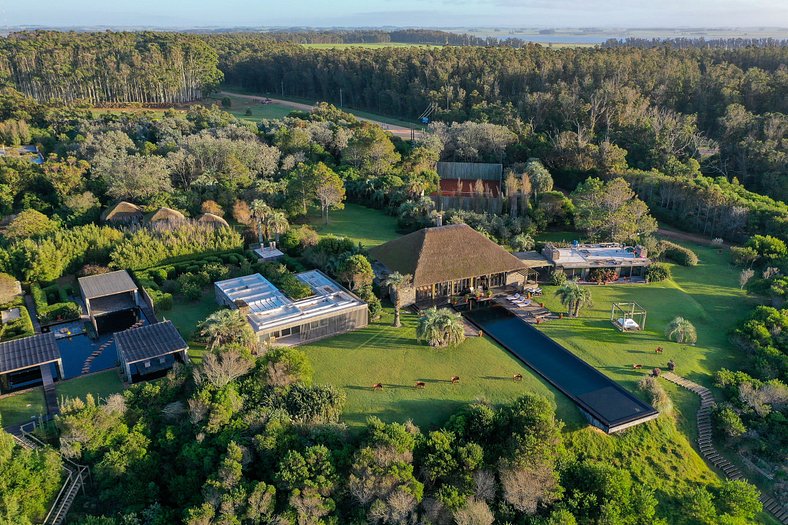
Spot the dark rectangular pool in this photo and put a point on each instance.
(603, 401)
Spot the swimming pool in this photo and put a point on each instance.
(75, 347)
(603, 401)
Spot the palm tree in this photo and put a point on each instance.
(574, 297)
(225, 327)
(395, 282)
(260, 212)
(276, 223)
(441, 328)
(681, 330)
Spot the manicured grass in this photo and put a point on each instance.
(185, 315)
(381, 353)
(368, 226)
(708, 295)
(21, 407)
(558, 236)
(100, 386)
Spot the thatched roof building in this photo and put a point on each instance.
(123, 212)
(165, 214)
(210, 218)
(449, 260)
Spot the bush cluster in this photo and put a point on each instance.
(53, 305)
(658, 272)
(679, 254)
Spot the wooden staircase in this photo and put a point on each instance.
(75, 480)
(707, 450)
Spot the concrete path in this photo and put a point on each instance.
(31, 309)
(400, 131)
(707, 450)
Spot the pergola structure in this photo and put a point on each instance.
(108, 293)
(26, 361)
(628, 316)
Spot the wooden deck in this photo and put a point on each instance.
(533, 313)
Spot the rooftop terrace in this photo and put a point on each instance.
(269, 308)
(597, 255)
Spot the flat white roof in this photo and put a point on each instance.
(588, 255)
(269, 308)
(267, 252)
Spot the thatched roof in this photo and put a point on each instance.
(445, 253)
(165, 214)
(122, 212)
(210, 218)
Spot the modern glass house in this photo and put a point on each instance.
(330, 310)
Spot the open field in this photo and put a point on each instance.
(258, 111)
(381, 353)
(365, 225)
(304, 103)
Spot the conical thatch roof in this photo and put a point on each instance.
(165, 214)
(122, 212)
(445, 253)
(210, 218)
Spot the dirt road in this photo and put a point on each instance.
(400, 131)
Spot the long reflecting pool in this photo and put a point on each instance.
(603, 401)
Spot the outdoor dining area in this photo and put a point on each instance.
(526, 307)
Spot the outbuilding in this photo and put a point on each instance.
(28, 361)
(149, 351)
(110, 299)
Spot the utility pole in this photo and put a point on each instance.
(283, 88)
(341, 101)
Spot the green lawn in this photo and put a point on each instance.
(100, 386)
(185, 315)
(368, 226)
(21, 407)
(381, 353)
(708, 295)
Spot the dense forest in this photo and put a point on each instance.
(373, 36)
(601, 142)
(154, 68)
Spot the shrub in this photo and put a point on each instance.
(191, 290)
(158, 274)
(658, 272)
(602, 275)
(366, 294)
(216, 271)
(679, 254)
(21, 327)
(659, 398)
(743, 255)
(557, 277)
(681, 330)
(729, 422)
(161, 300)
(59, 312)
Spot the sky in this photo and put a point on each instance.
(411, 13)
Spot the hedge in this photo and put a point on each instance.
(658, 272)
(50, 313)
(679, 254)
(21, 327)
